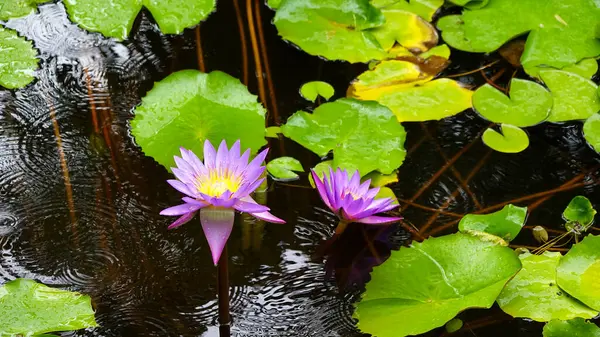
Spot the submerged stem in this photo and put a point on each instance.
(223, 291)
(341, 227)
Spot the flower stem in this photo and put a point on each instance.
(223, 290)
(341, 227)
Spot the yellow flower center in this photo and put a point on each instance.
(217, 184)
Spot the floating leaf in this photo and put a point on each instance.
(379, 180)
(512, 139)
(533, 292)
(580, 209)
(18, 60)
(188, 107)
(576, 327)
(424, 8)
(529, 103)
(272, 132)
(585, 68)
(560, 32)
(591, 131)
(506, 223)
(578, 272)
(114, 18)
(431, 282)
(364, 136)
(407, 29)
(283, 168)
(574, 96)
(16, 8)
(334, 29)
(274, 4)
(311, 90)
(29, 308)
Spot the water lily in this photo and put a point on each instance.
(352, 201)
(216, 188)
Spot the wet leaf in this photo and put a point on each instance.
(585, 68)
(424, 8)
(575, 97)
(529, 103)
(274, 4)
(379, 180)
(407, 29)
(283, 168)
(505, 223)
(591, 131)
(29, 308)
(577, 327)
(578, 272)
(560, 32)
(512, 139)
(311, 90)
(114, 18)
(188, 107)
(18, 60)
(580, 209)
(364, 136)
(533, 292)
(431, 282)
(16, 8)
(272, 132)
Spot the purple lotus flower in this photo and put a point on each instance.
(216, 188)
(352, 201)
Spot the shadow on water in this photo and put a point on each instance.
(79, 201)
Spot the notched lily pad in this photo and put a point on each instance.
(575, 97)
(512, 139)
(406, 29)
(576, 327)
(17, 8)
(424, 8)
(591, 131)
(18, 60)
(284, 168)
(311, 90)
(506, 223)
(580, 209)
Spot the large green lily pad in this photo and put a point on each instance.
(512, 139)
(16, 8)
(506, 223)
(575, 97)
(591, 131)
(578, 272)
(114, 18)
(576, 327)
(29, 308)
(561, 32)
(188, 107)
(529, 103)
(426, 285)
(533, 292)
(580, 209)
(18, 60)
(424, 8)
(364, 136)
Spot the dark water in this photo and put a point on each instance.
(79, 201)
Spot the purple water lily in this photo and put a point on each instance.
(352, 201)
(217, 187)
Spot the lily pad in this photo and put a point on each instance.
(506, 223)
(283, 168)
(272, 132)
(579, 271)
(512, 139)
(407, 29)
(16, 8)
(584, 68)
(188, 107)
(320, 169)
(379, 180)
(576, 327)
(591, 131)
(560, 32)
(533, 292)
(575, 97)
(311, 90)
(431, 282)
(364, 136)
(529, 103)
(18, 60)
(29, 308)
(580, 209)
(274, 4)
(424, 8)
(114, 18)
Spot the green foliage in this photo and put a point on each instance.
(505, 223)
(18, 60)
(575, 97)
(431, 282)
(272, 132)
(577, 327)
(114, 18)
(320, 169)
(29, 308)
(364, 136)
(283, 168)
(580, 209)
(310, 90)
(423, 8)
(379, 180)
(188, 107)
(16, 8)
(405, 28)
(512, 139)
(591, 131)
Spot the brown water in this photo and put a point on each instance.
(79, 201)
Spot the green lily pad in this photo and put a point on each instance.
(512, 139)
(529, 103)
(580, 209)
(334, 29)
(17, 8)
(311, 90)
(272, 132)
(579, 271)
(114, 18)
(576, 327)
(533, 292)
(274, 4)
(575, 97)
(29, 308)
(283, 168)
(424, 8)
(407, 29)
(591, 131)
(188, 107)
(431, 282)
(364, 136)
(585, 68)
(560, 32)
(379, 180)
(505, 223)
(18, 60)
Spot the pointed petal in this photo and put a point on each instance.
(334, 199)
(321, 188)
(210, 155)
(182, 220)
(363, 188)
(222, 156)
(378, 220)
(355, 180)
(194, 161)
(234, 153)
(224, 200)
(181, 187)
(372, 193)
(184, 165)
(266, 216)
(245, 190)
(250, 207)
(180, 209)
(184, 176)
(217, 225)
(257, 161)
(192, 201)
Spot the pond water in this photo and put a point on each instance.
(79, 201)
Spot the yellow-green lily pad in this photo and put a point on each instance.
(576, 327)
(424, 8)
(591, 131)
(580, 210)
(16, 8)
(310, 90)
(512, 139)
(505, 223)
(284, 168)
(575, 97)
(18, 60)
(407, 29)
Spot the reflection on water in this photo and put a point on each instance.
(79, 201)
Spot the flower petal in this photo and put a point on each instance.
(321, 188)
(266, 216)
(372, 193)
(182, 220)
(192, 201)
(181, 187)
(378, 220)
(245, 190)
(250, 207)
(180, 209)
(234, 153)
(222, 159)
(225, 200)
(194, 161)
(184, 176)
(210, 155)
(355, 181)
(256, 162)
(217, 225)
